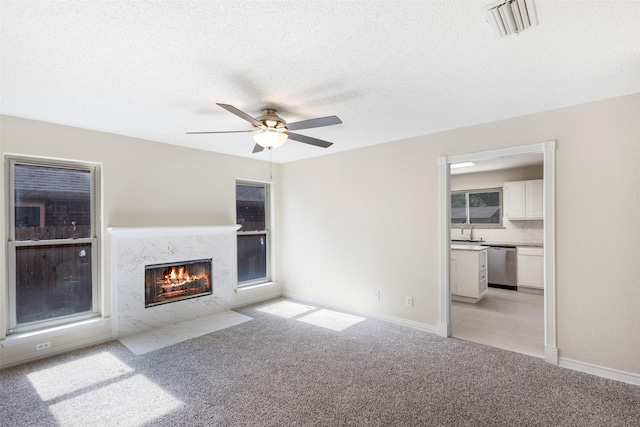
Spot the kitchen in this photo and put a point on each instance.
(497, 254)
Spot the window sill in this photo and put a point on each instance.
(256, 286)
(27, 337)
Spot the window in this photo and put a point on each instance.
(478, 207)
(52, 247)
(252, 213)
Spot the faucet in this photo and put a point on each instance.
(470, 229)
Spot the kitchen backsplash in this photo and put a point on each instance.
(514, 231)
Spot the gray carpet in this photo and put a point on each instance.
(288, 371)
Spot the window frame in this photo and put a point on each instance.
(466, 223)
(12, 244)
(266, 232)
(40, 206)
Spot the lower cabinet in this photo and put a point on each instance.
(468, 275)
(530, 268)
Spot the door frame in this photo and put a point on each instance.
(548, 150)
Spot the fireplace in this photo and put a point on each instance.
(176, 281)
(135, 248)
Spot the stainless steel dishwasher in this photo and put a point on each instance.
(503, 264)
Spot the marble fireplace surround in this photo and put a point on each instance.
(135, 247)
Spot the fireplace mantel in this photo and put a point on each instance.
(133, 248)
(172, 230)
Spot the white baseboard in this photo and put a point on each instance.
(600, 371)
(371, 315)
(444, 330)
(551, 355)
(30, 357)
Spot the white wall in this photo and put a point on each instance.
(367, 220)
(144, 184)
(362, 221)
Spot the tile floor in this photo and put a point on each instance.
(159, 338)
(505, 319)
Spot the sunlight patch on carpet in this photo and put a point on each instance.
(164, 337)
(331, 319)
(63, 379)
(118, 404)
(100, 390)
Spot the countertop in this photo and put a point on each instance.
(467, 247)
(493, 243)
(515, 244)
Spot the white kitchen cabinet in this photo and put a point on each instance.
(468, 274)
(530, 268)
(523, 200)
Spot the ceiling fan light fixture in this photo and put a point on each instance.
(270, 138)
(271, 131)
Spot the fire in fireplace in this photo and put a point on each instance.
(170, 282)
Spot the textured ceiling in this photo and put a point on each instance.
(389, 69)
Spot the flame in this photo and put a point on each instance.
(175, 282)
(179, 275)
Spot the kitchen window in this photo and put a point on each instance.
(478, 207)
(253, 237)
(52, 244)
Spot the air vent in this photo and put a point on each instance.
(510, 16)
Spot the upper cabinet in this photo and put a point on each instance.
(523, 200)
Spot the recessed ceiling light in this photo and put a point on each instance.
(462, 165)
(508, 17)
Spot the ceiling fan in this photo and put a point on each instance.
(271, 131)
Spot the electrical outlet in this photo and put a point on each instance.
(43, 345)
(409, 301)
(377, 295)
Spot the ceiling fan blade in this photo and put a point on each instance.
(309, 140)
(241, 114)
(314, 123)
(258, 148)
(221, 131)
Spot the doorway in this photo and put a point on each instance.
(547, 149)
(507, 315)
